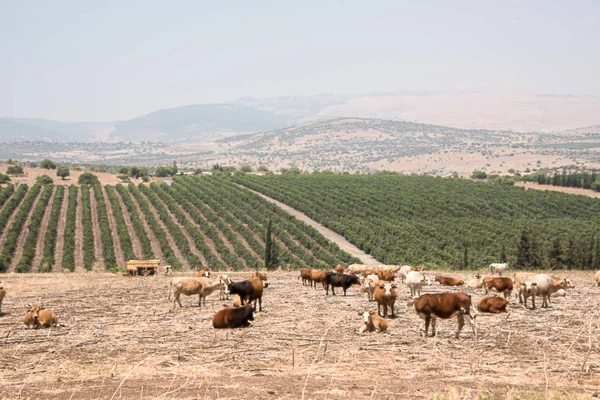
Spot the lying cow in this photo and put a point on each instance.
(500, 284)
(444, 305)
(597, 278)
(344, 281)
(372, 322)
(233, 317)
(475, 283)
(38, 317)
(493, 305)
(449, 281)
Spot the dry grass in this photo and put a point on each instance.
(121, 340)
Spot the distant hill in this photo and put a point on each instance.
(23, 129)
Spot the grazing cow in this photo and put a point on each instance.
(168, 270)
(449, 281)
(233, 317)
(500, 284)
(250, 290)
(340, 269)
(190, 286)
(37, 316)
(372, 322)
(344, 281)
(414, 281)
(498, 268)
(204, 273)
(493, 305)
(226, 281)
(540, 285)
(476, 282)
(317, 276)
(2, 294)
(597, 278)
(305, 275)
(385, 296)
(356, 269)
(368, 286)
(444, 305)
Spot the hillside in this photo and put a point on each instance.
(188, 224)
(444, 222)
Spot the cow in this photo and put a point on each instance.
(340, 269)
(372, 322)
(190, 286)
(204, 273)
(540, 285)
(498, 268)
(233, 317)
(371, 271)
(521, 277)
(597, 278)
(414, 281)
(449, 281)
(226, 281)
(260, 275)
(305, 275)
(368, 286)
(168, 270)
(383, 275)
(476, 282)
(444, 305)
(37, 316)
(2, 294)
(356, 269)
(132, 270)
(403, 272)
(500, 284)
(344, 281)
(493, 305)
(317, 276)
(249, 290)
(392, 268)
(385, 296)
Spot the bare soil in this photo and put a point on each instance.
(135, 241)
(120, 257)
(78, 251)
(24, 232)
(97, 236)
(122, 340)
(569, 190)
(60, 230)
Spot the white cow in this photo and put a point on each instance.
(498, 267)
(369, 284)
(415, 281)
(357, 269)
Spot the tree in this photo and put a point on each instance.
(528, 255)
(44, 180)
(466, 257)
(14, 170)
(502, 254)
(47, 164)
(4, 178)
(87, 178)
(246, 168)
(63, 172)
(555, 254)
(479, 175)
(263, 169)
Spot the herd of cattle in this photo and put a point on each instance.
(379, 283)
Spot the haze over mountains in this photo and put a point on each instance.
(493, 110)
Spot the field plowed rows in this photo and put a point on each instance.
(121, 340)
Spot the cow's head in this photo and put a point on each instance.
(388, 288)
(529, 286)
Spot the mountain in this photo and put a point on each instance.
(23, 129)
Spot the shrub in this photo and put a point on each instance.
(479, 175)
(44, 180)
(87, 178)
(14, 170)
(47, 164)
(4, 178)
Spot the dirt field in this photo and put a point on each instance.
(121, 340)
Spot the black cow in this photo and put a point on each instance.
(250, 290)
(335, 280)
(233, 317)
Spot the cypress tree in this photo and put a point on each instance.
(524, 251)
(502, 254)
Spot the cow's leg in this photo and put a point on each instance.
(433, 320)
(427, 322)
(199, 300)
(345, 288)
(393, 315)
(379, 309)
(533, 301)
(178, 301)
(332, 291)
(259, 304)
(461, 322)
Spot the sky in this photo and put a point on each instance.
(114, 60)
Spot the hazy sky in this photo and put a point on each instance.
(109, 60)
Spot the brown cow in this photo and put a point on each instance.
(233, 317)
(204, 273)
(340, 269)
(317, 276)
(382, 274)
(501, 285)
(305, 275)
(493, 305)
(372, 322)
(385, 295)
(449, 281)
(37, 316)
(444, 305)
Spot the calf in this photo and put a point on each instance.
(540, 285)
(501, 285)
(414, 281)
(237, 302)
(250, 290)
(168, 270)
(372, 322)
(305, 275)
(368, 286)
(233, 317)
(2, 294)
(444, 305)
(385, 296)
(317, 276)
(498, 268)
(37, 316)
(204, 273)
(343, 281)
(449, 281)
(226, 281)
(476, 282)
(493, 305)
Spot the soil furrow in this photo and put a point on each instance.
(10, 222)
(39, 249)
(97, 236)
(153, 240)
(135, 241)
(113, 229)
(78, 251)
(23, 234)
(60, 232)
